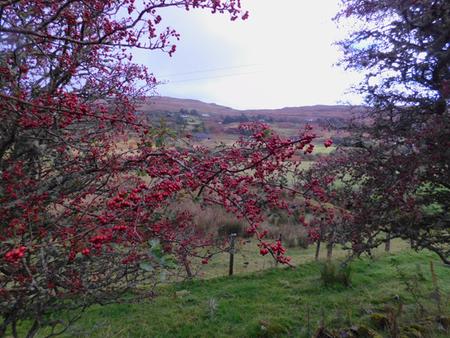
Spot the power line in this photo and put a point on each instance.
(208, 70)
(210, 77)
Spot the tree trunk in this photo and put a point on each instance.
(330, 244)
(329, 250)
(187, 267)
(317, 250)
(14, 329)
(387, 244)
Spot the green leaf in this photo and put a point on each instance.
(141, 173)
(267, 133)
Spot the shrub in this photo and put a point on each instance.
(230, 227)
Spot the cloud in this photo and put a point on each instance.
(283, 55)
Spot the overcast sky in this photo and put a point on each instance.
(283, 55)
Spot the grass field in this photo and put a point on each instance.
(247, 258)
(284, 303)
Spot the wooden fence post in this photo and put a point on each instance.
(231, 251)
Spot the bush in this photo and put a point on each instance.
(330, 274)
(292, 235)
(213, 219)
(231, 227)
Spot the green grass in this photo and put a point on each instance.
(319, 148)
(247, 258)
(272, 303)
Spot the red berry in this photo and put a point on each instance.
(264, 251)
(328, 143)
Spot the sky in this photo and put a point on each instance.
(282, 56)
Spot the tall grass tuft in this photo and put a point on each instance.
(332, 274)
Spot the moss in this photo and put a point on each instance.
(324, 333)
(360, 331)
(412, 332)
(379, 320)
(364, 332)
(422, 329)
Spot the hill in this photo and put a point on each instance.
(169, 104)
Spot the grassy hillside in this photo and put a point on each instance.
(163, 103)
(287, 303)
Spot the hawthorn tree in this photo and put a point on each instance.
(395, 175)
(321, 213)
(87, 186)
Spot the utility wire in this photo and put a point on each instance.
(208, 70)
(208, 77)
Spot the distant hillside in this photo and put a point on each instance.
(170, 104)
